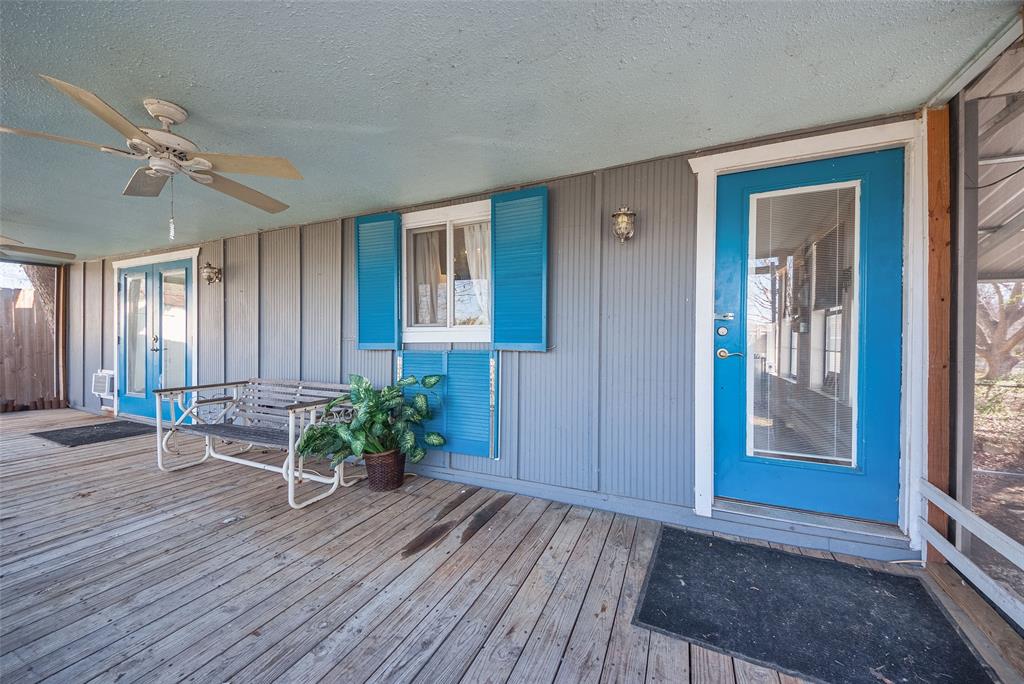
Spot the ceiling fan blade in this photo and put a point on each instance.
(94, 104)
(50, 136)
(244, 193)
(9, 245)
(142, 184)
(278, 167)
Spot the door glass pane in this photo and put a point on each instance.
(801, 325)
(472, 269)
(428, 288)
(135, 334)
(173, 327)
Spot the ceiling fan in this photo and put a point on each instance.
(166, 154)
(9, 244)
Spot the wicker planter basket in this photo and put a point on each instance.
(385, 471)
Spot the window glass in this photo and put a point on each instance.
(800, 281)
(136, 336)
(428, 287)
(173, 328)
(472, 273)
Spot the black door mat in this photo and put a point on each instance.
(813, 618)
(93, 434)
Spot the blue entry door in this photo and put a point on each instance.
(154, 348)
(808, 301)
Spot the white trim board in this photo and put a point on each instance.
(193, 303)
(907, 134)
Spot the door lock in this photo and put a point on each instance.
(725, 353)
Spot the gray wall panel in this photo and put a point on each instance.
(77, 322)
(557, 435)
(279, 304)
(321, 301)
(374, 365)
(109, 315)
(607, 409)
(93, 342)
(210, 325)
(645, 413)
(241, 307)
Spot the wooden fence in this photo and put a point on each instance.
(27, 351)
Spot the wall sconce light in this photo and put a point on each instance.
(624, 224)
(211, 274)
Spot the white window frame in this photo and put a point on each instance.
(458, 214)
(910, 135)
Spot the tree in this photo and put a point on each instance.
(1000, 327)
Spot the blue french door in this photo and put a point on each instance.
(808, 301)
(154, 349)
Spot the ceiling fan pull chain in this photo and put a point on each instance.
(170, 224)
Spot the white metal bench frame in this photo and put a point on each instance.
(188, 402)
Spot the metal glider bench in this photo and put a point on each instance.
(263, 413)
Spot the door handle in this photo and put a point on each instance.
(725, 353)
(156, 340)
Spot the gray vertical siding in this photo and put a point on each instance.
(209, 356)
(646, 365)
(93, 338)
(279, 304)
(77, 322)
(109, 315)
(241, 307)
(321, 301)
(558, 441)
(606, 410)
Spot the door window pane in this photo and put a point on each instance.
(801, 282)
(472, 273)
(173, 327)
(136, 333)
(428, 288)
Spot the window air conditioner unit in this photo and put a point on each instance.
(103, 384)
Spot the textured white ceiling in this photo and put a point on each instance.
(386, 104)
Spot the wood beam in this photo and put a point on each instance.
(939, 302)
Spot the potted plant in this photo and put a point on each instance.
(381, 433)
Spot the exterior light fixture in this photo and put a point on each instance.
(624, 224)
(211, 274)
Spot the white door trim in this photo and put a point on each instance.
(193, 302)
(907, 134)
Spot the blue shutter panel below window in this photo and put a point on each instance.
(461, 403)
(420, 363)
(468, 403)
(519, 269)
(378, 260)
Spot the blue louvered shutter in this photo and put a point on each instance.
(468, 403)
(519, 269)
(461, 402)
(420, 363)
(378, 264)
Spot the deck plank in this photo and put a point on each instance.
(626, 659)
(588, 644)
(543, 652)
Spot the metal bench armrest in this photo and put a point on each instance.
(192, 388)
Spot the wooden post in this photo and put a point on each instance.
(940, 280)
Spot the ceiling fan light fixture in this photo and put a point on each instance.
(162, 167)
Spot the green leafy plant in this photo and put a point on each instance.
(385, 419)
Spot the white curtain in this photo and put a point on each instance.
(429, 279)
(478, 257)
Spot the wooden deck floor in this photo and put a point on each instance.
(114, 571)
